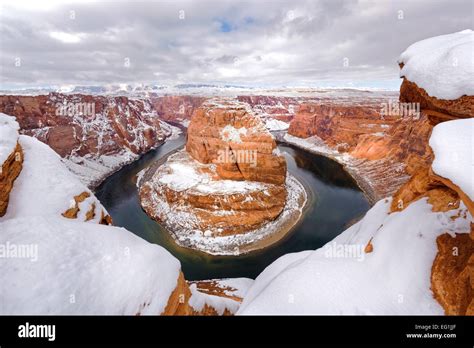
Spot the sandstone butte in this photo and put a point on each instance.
(229, 180)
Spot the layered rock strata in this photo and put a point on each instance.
(94, 134)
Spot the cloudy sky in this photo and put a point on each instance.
(254, 43)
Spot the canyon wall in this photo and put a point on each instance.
(95, 134)
(177, 109)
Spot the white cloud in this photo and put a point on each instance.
(265, 42)
(66, 37)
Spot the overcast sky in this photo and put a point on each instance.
(255, 43)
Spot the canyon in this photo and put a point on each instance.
(414, 165)
(228, 191)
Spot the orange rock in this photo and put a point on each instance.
(459, 108)
(176, 108)
(10, 170)
(369, 247)
(452, 274)
(236, 141)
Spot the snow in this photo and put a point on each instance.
(276, 125)
(184, 173)
(393, 279)
(8, 136)
(45, 186)
(441, 65)
(240, 286)
(198, 300)
(229, 288)
(232, 134)
(453, 147)
(81, 268)
(92, 170)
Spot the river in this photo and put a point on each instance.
(334, 203)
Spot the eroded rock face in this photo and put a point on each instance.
(276, 107)
(84, 128)
(228, 191)
(176, 108)
(236, 141)
(458, 108)
(86, 125)
(452, 273)
(9, 171)
(382, 148)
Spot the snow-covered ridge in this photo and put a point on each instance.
(393, 279)
(453, 146)
(80, 268)
(442, 65)
(45, 187)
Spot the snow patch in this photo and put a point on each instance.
(453, 147)
(8, 136)
(441, 65)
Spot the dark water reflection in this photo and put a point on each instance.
(334, 202)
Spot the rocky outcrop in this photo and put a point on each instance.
(9, 171)
(228, 191)
(452, 274)
(232, 138)
(42, 185)
(462, 107)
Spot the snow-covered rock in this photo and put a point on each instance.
(276, 125)
(52, 265)
(45, 187)
(341, 278)
(441, 65)
(453, 146)
(8, 136)
(11, 159)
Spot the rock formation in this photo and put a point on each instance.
(178, 109)
(444, 178)
(96, 134)
(228, 191)
(219, 129)
(11, 159)
(378, 146)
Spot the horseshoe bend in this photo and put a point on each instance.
(228, 191)
(273, 161)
